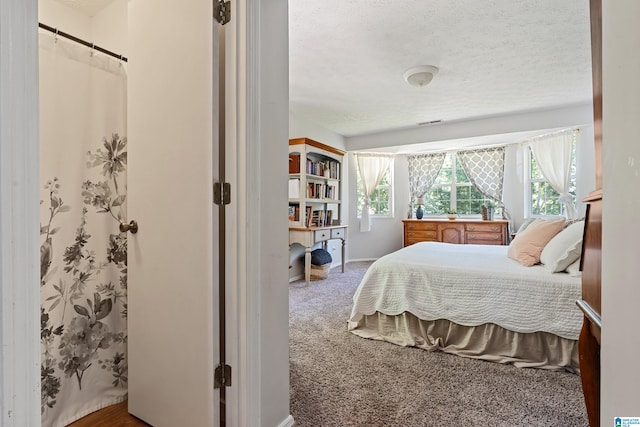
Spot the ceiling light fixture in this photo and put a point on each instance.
(421, 75)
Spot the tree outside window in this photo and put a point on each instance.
(453, 191)
(381, 199)
(544, 200)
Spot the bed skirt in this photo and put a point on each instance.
(487, 342)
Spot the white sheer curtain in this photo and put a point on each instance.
(372, 167)
(553, 154)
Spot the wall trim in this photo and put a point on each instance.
(19, 216)
(248, 87)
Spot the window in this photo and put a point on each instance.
(452, 190)
(382, 197)
(543, 199)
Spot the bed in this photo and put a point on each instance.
(471, 300)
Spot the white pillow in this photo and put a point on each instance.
(563, 249)
(574, 269)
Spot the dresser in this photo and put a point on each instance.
(460, 231)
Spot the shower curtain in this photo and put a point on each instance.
(83, 256)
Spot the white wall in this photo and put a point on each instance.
(386, 232)
(300, 127)
(271, 149)
(56, 14)
(621, 204)
(585, 167)
(107, 29)
(497, 125)
(110, 28)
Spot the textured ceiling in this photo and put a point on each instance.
(88, 7)
(347, 58)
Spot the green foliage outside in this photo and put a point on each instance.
(439, 199)
(380, 198)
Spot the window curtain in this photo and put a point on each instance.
(83, 255)
(553, 154)
(423, 171)
(485, 170)
(372, 168)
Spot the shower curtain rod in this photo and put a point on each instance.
(82, 42)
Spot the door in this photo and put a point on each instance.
(173, 317)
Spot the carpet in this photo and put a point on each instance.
(339, 379)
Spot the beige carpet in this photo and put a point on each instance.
(339, 379)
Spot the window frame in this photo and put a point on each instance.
(390, 186)
(453, 189)
(528, 181)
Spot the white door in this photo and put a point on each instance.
(172, 272)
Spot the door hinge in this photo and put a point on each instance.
(222, 12)
(221, 193)
(222, 376)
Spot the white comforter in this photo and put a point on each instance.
(470, 285)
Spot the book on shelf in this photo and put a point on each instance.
(294, 188)
(294, 213)
(321, 218)
(308, 216)
(323, 168)
(294, 163)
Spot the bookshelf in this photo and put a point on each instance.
(315, 196)
(315, 184)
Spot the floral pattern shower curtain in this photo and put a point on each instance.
(83, 255)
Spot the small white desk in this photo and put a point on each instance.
(308, 237)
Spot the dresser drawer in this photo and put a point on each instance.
(479, 238)
(321, 236)
(337, 233)
(422, 235)
(411, 241)
(421, 226)
(485, 228)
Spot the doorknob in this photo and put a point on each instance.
(132, 226)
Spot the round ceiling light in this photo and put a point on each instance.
(421, 75)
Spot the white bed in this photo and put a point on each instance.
(470, 300)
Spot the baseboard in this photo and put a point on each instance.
(288, 422)
(360, 260)
(294, 278)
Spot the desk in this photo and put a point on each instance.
(308, 237)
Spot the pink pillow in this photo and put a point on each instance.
(527, 246)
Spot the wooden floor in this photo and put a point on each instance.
(111, 416)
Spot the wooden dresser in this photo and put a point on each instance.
(461, 231)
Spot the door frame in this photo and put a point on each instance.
(19, 216)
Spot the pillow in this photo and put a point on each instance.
(527, 246)
(574, 269)
(525, 224)
(563, 249)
